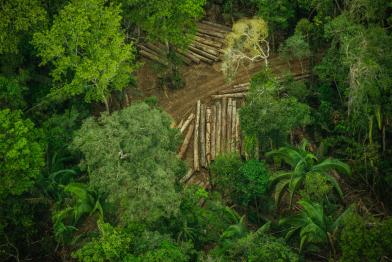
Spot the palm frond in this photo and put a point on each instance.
(332, 164)
(289, 155)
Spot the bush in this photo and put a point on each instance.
(369, 240)
(256, 246)
(242, 182)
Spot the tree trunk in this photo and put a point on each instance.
(187, 122)
(187, 176)
(213, 132)
(196, 162)
(237, 134)
(208, 135)
(218, 129)
(187, 139)
(234, 95)
(224, 125)
(233, 126)
(203, 136)
(229, 119)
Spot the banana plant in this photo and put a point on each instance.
(303, 164)
(313, 225)
(86, 202)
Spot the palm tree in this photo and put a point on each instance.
(303, 164)
(313, 225)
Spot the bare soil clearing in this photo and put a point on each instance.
(201, 81)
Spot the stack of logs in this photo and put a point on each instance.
(206, 47)
(215, 130)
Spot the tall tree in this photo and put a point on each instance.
(246, 43)
(166, 21)
(130, 155)
(86, 47)
(17, 19)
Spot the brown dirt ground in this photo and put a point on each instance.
(201, 81)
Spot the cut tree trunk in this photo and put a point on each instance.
(158, 50)
(222, 27)
(187, 139)
(201, 58)
(213, 133)
(208, 42)
(238, 134)
(203, 136)
(196, 163)
(152, 57)
(233, 95)
(211, 33)
(189, 55)
(224, 125)
(188, 175)
(180, 124)
(208, 135)
(200, 52)
(187, 122)
(233, 125)
(234, 90)
(207, 49)
(218, 128)
(228, 120)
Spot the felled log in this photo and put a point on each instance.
(180, 124)
(152, 57)
(233, 125)
(212, 38)
(224, 125)
(237, 134)
(208, 135)
(148, 50)
(211, 28)
(222, 27)
(231, 95)
(187, 122)
(208, 42)
(210, 50)
(201, 58)
(218, 128)
(213, 132)
(158, 50)
(196, 163)
(187, 139)
(247, 84)
(189, 55)
(228, 130)
(234, 90)
(203, 53)
(188, 175)
(184, 59)
(203, 161)
(211, 32)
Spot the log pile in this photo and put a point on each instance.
(206, 46)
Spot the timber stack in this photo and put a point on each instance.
(207, 46)
(215, 128)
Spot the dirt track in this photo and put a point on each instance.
(202, 81)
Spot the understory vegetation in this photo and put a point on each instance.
(88, 174)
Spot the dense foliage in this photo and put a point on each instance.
(83, 182)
